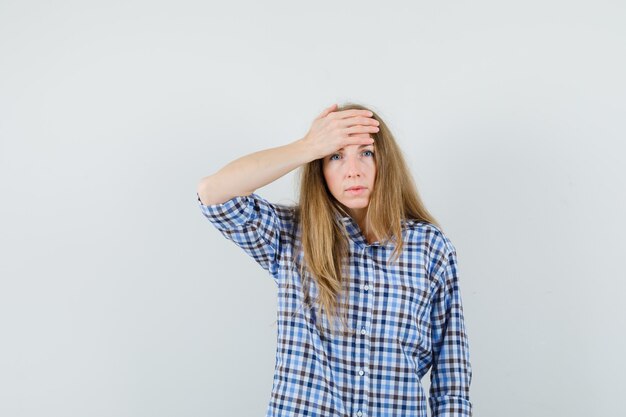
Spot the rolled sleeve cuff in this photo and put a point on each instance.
(451, 406)
(230, 214)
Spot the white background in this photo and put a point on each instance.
(118, 298)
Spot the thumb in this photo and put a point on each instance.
(327, 111)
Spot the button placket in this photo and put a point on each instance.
(363, 350)
(367, 275)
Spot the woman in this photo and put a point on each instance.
(371, 254)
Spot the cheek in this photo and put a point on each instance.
(326, 176)
(331, 181)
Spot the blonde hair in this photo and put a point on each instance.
(324, 241)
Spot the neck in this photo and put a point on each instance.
(359, 216)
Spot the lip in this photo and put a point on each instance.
(358, 187)
(356, 191)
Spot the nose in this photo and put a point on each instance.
(352, 167)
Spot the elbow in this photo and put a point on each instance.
(211, 193)
(206, 191)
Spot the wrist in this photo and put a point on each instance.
(305, 150)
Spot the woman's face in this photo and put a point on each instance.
(351, 166)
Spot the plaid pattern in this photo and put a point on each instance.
(407, 317)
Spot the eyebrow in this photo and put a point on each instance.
(362, 146)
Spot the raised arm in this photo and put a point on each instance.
(329, 131)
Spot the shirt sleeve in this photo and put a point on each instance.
(253, 224)
(451, 372)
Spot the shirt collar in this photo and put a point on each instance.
(355, 233)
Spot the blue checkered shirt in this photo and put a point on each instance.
(408, 318)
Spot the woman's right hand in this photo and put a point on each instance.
(332, 130)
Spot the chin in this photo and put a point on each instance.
(355, 204)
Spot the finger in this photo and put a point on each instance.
(352, 121)
(351, 113)
(362, 129)
(327, 111)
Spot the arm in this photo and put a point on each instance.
(254, 224)
(329, 131)
(244, 175)
(451, 373)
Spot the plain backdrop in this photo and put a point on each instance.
(119, 299)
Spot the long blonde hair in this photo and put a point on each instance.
(324, 240)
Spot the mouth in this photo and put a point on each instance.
(355, 190)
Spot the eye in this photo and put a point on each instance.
(336, 154)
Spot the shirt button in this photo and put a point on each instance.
(363, 331)
(366, 287)
(361, 372)
(359, 413)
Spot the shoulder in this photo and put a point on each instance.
(428, 233)
(284, 212)
(249, 209)
(432, 242)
